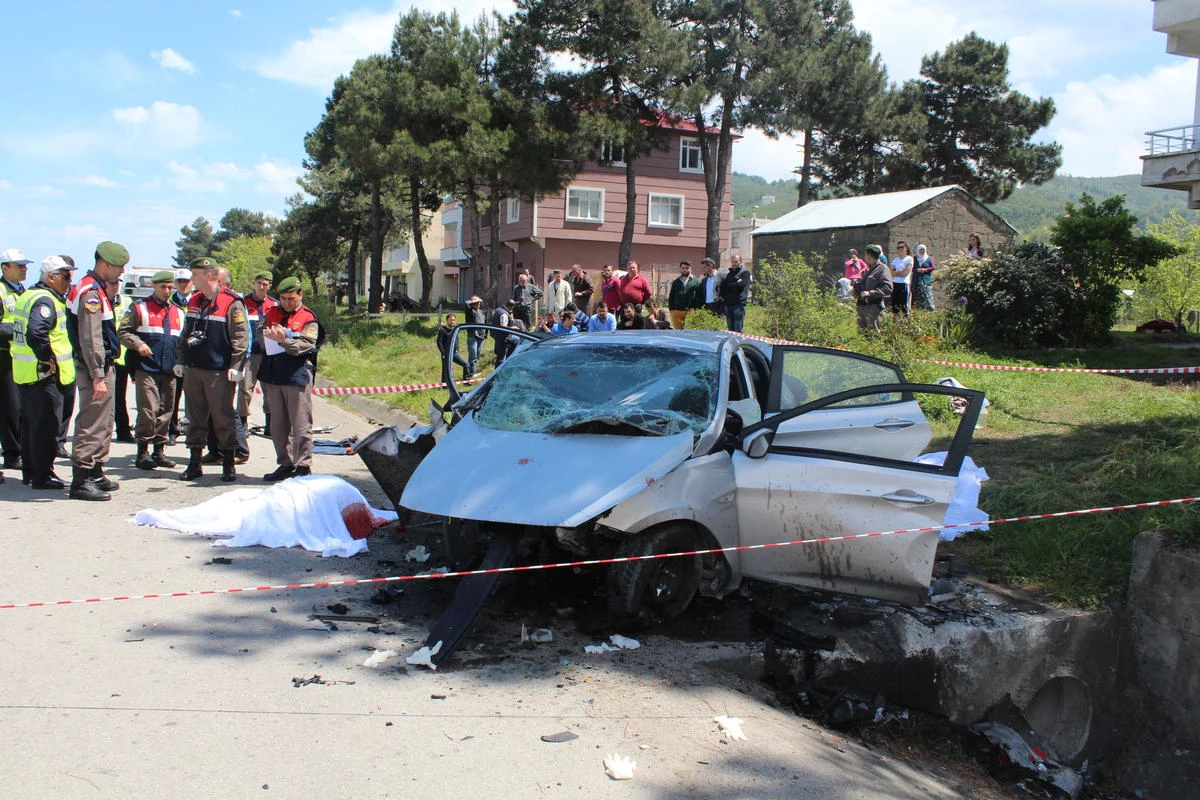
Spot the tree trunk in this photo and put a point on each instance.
(378, 236)
(414, 191)
(630, 210)
(802, 189)
(352, 270)
(473, 208)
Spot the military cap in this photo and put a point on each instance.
(204, 263)
(112, 253)
(289, 285)
(163, 276)
(265, 275)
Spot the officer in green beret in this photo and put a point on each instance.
(291, 335)
(258, 303)
(150, 333)
(92, 326)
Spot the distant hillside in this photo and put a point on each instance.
(1030, 210)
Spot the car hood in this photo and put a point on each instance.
(558, 480)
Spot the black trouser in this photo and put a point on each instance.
(173, 429)
(10, 410)
(42, 407)
(68, 411)
(121, 398)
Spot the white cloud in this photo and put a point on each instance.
(161, 127)
(1101, 123)
(235, 13)
(773, 159)
(171, 59)
(274, 178)
(188, 179)
(91, 179)
(265, 177)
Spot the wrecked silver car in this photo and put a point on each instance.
(648, 442)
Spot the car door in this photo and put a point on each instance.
(888, 424)
(788, 493)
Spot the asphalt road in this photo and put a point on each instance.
(194, 697)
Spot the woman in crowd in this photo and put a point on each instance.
(922, 281)
(974, 246)
(902, 267)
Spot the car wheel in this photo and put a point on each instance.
(642, 592)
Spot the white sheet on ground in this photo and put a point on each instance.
(964, 502)
(305, 511)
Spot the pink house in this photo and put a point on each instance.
(583, 224)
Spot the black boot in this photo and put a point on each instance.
(194, 470)
(83, 488)
(160, 458)
(124, 435)
(228, 473)
(102, 481)
(144, 460)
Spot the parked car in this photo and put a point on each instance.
(138, 281)
(643, 443)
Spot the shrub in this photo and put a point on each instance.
(797, 308)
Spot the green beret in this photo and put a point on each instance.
(265, 275)
(112, 253)
(163, 276)
(875, 250)
(204, 263)
(288, 285)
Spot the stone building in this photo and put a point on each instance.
(940, 217)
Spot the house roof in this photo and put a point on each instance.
(853, 212)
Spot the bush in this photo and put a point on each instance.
(1020, 298)
(797, 308)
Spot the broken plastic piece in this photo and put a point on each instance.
(619, 767)
(424, 656)
(560, 737)
(731, 728)
(379, 657)
(624, 642)
(418, 554)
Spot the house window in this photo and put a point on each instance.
(666, 210)
(612, 154)
(513, 206)
(689, 156)
(585, 205)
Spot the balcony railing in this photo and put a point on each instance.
(1169, 141)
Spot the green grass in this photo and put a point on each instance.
(1053, 441)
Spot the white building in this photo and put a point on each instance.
(1172, 160)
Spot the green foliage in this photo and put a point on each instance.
(1172, 286)
(1019, 298)
(701, 319)
(797, 309)
(1099, 249)
(244, 256)
(961, 122)
(196, 242)
(242, 222)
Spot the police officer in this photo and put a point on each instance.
(150, 333)
(44, 368)
(258, 302)
(211, 356)
(289, 334)
(14, 266)
(93, 330)
(179, 297)
(120, 369)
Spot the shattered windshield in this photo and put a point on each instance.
(634, 389)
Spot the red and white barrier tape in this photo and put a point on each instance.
(593, 562)
(1147, 371)
(412, 387)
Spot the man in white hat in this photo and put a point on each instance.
(14, 266)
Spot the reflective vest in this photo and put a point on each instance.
(255, 310)
(206, 331)
(25, 362)
(158, 327)
(283, 369)
(116, 304)
(9, 297)
(108, 321)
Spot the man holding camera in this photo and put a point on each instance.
(211, 357)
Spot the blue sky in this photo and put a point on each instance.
(127, 120)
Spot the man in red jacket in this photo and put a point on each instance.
(633, 287)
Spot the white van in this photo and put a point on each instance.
(138, 281)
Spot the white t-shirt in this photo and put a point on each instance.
(901, 269)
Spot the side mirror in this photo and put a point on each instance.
(758, 443)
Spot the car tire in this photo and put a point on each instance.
(641, 593)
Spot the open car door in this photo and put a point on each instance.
(882, 423)
(814, 485)
(458, 345)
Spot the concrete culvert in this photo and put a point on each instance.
(1061, 712)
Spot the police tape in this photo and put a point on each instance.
(411, 387)
(592, 562)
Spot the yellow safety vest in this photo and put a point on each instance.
(25, 363)
(117, 302)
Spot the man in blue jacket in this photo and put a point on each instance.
(149, 331)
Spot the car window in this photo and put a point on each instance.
(808, 375)
(634, 389)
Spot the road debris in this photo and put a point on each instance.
(379, 657)
(424, 656)
(619, 767)
(560, 737)
(614, 643)
(418, 554)
(317, 679)
(731, 728)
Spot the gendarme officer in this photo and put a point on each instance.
(210, 358)
(93, 330)
(150, 332)
(290, 335)
(43, 368)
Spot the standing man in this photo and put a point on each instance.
(43, 368)
(475, 339)
(558, 294)
(581, 288)
(290, 336)
(709, 295)
(258, 303)
(93, 330)
(524, 294)
(682, 296)
(14, 266)
(735, 290)
(446, 340)
(121, 372)
(179, 297)
(150, 332)
(871, 288)
(210, 358)
(632, 287)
